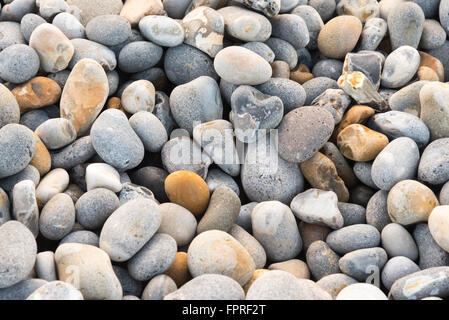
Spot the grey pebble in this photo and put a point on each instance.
(261, 49)
(30, 22)
(376, 210)
(292, 94)
(250, 243)
(322, 260)
(400, 67)
(158, 287)
(434, 166)
(56, 133)
(405, 25)
(89, 49)
(130, 286)
(283, 51)
(396, 268)
(45, 266)
(95, 206)
(115, 141)
(139, 56)
(32, 119)
(329, 68)
(360, 264)
(397, 241)
(373, 33)
(29, 173)
(291, 28)
(21, 290)
(362, 171)
(244, 218)
(78, 152)
(317, 86)
(325, 8)
(24, 205)
(14, 11)
(18, 63)
(313, 21)
(156, 256)
(57, 217)
(61, 78)
(433, 35)
(336, 101)
(109, 30)
(443, 197)
(81, 236)
(163, 31)
(10, 34)
(152, 178)
(178, 222)
(150, 130)
(354, 237)
(430, 253)
(216, 178)
(335, 282)
(352, 213)
(407, 98)
(69, 25)
(131, 191)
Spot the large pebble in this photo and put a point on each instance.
(400, 67)
(9, 108)
(57, 217)
(139, 56)
(433, 166)
(322, 260)
(129, 227)
(161, 30)
(177, 222)
(351, 238)
(360, 264)
(25, 209)
(109, 30)
(434, 111)
(54, 182)
(115, 141)
(430, 253)
(56, 290)
(138, 96)
(86, 49)
(292, 94)
(397, 241)
(361, 291)
(396, 268)
(405, 25)
(56, 133)
(291, 28)
(18, 63)
(438, 226)
(279, 235)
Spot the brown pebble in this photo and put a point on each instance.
(426, 73)
(257, 273)
(339, 36)
(301, 74)
(322, 174)
(179, 270)
(42, 159)
(280, 69)
(357, 114)
(37, 93)
(296, 267)
(311, 233)
(189, 190)
(359, 143)
(115, 103)
(433, 63)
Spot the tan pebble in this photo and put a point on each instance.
(409, 202)
(425, 73)
(84, 94)
(257, 273)
(53, 47)
(357, 114)
(359, 143)
(135, 10)
(41, 159)
(189, 190)
(179, 271)
(322, 174)
(37, 93)
(339, 36)
(433, 63)
(115, 103)
(54, 182)
(311, 233)
(301, 74)
(439, 226)
(280, 69)
(296, 267)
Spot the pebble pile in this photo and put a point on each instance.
(213, 149)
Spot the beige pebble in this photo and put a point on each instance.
(54, 182)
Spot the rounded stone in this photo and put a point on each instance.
(69, 25)
(129, 227)
(189, 190)
(433, 35)
(396, 268)
(54, 182)
(433, 167)
(290, 92)
(361, 263)
(83, 237)
(158, 287)
(311, 233)
(352, 213)
(339, 36)
(89, 10)
(279, 235)
(139, 56)
(434, 112)
(400, 67)
(410, 202)
(57, 217)
(322, 260)
(17, 146)
(152, 178)
(156, 256)
(10, 34)
(53, 47)
(239, 65)
(262, 49)
(163, 31)
(109, 30)
(313, 21)
(291, 28)
(74, 154)
(405, 25)
(56, 133)
(9, 108)
(18, 251)
(56, 290)
(216, 178)
(335, 282)
(21, 290)
(294, 266)
(283, 51)
(316, 86)
(303, 132)
(24, 206)
(397, 241)
(45, 266)
(138, 96)
(29, 22)
(430, 253)
(102, 175)
(86, 49)
(209, 287)
(351, 238)
(438, 226)
(18, 63)
(177, 222)
(95, 206)
(361, 291)
(92, 270)
(115, 141)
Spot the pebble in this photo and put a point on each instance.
(129, 285)
(433, 164)
(56, 133)
(279, 235)
(138, 96)
(334, 283)
(339, 36)
(16, 149)
(409, 31)
(359, 143)
(262, 49)
(316, 86)
(109, 30)
(56, 290)
(433, 110)
(421, 284)
(373, 33)
(57, 217)
(152, 178)
(83, 237)
(245, 25)
(45, 266)
(209, 287)
(438, 224)
(24, 205)
(111, 128)
(179, 270)
(159, 287)
(311, 233)
(330, 68)
(189, 190)
(55, 55)
(69, 25)
(135, 10)
(138, 220)
(433, 35)
(196, 101)
(396, 124)
(430, 253)
(74, 154)
(364, 10)
(363, 172)
(322, 260)
(88, 269)
(21, 290)
(360, 264)
(397, 268)
(239, 65)
(216, 178)
(400, 67)
(9, 108)
(281, 69)
(313, 22)
(18, 253)
(396, 162)
(281, 285)
(296, 267)
(177, 222)
(291, 93)
(410, 201)
(28, 23)
(102, 175)
(10, 34)
(283, 51)
(253, 246)
(54, 182)
(397, 241)
(132, 191)
(344, 170)
(95, 206)
(361, 291)
(139, 56)
(291, 28)
(354, 237)
(86, 49)
(18, 63)
(303, 132)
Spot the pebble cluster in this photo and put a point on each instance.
(134, 162)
